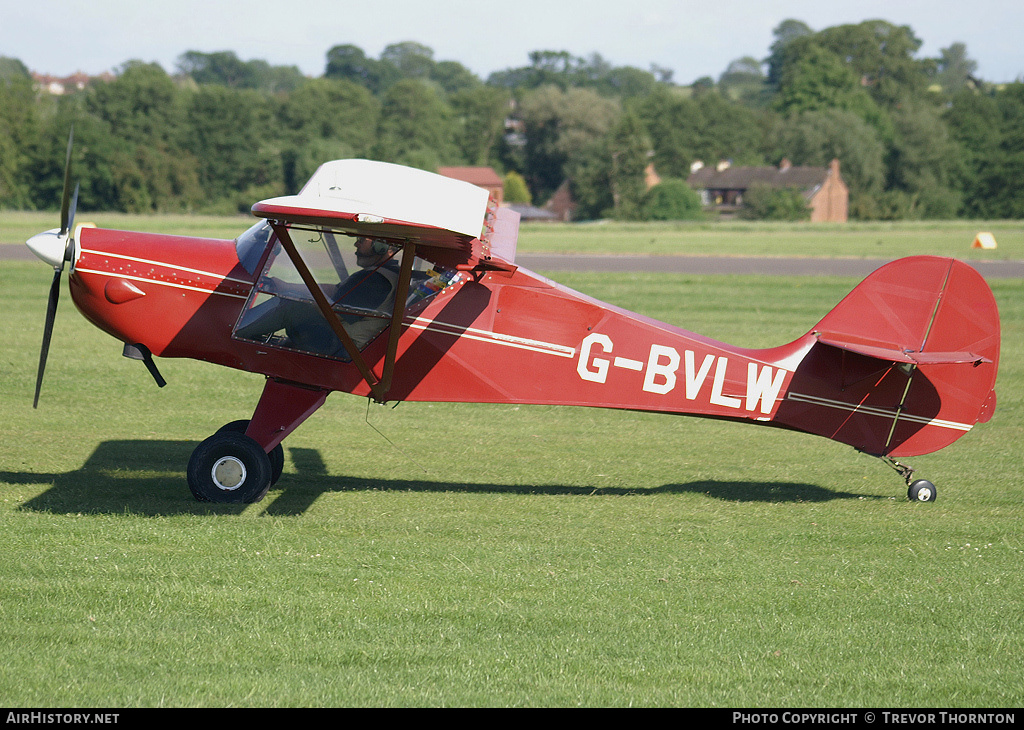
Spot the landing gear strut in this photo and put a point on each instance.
(918, 490)
(232, 466)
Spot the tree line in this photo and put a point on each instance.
(916, 137)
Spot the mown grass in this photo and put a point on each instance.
(478, 555)
(747, 238)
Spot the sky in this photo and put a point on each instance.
(692, 38)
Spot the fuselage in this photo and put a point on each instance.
(492, 337)
(513, 336)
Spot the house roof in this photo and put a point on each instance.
(742, 178)
(532, 213)
(482, 176)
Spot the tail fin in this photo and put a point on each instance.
(904, 365)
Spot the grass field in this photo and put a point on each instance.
(460, 555)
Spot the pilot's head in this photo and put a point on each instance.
(371, 251)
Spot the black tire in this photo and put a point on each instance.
(921, 490)
(276, 454)
(229, 467)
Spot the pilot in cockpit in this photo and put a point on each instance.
(371, 289)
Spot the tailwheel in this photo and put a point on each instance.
(921, 490)
(918, 490)
(229, 467)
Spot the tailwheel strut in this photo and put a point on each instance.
(918, 490)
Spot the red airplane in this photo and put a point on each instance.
(434, 308)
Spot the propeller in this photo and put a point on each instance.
(56, 247)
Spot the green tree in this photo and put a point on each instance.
(516, 189)
(18, 130)
(141, 105)
(954, 69)
(415, 127)
(478, 114)
(881, 56)
(143, 110)
(629, 152)
(220, 67)
(234, 136)
(925, 162)
(453, 77)
(413, 60)
(335, 109)
(547, 68)
(729, 130)
(94, 157)
(627, 82)
(674, 123)
(349, 62)
(707, 127)
(990, 129)
(813, 77)
(743, 80)
(671, 200)
(560, 126)
(589, 174)
(564, 71)
(12, 69)
(764, 202)
(227, 69)
(785, 32)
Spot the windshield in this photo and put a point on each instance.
(251, 245)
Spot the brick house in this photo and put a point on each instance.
(721, 188)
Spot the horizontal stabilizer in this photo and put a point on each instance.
(883, 351)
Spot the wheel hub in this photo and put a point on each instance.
(228, 473)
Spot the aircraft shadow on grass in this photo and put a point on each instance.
(147, 478)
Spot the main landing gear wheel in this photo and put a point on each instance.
(921, 490)
(229, 467)
(276, 454)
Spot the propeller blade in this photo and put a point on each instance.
(51, 313)
(69, 247)
(68, 205)
(65, 199)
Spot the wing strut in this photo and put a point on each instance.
(398, 314)
(379, 386)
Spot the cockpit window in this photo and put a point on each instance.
(357, 275)
(251, 245)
